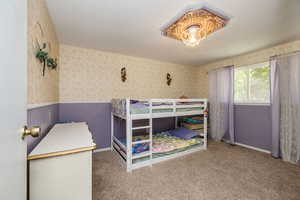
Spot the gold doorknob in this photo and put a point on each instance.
(34, 131)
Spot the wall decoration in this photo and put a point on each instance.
(123, 74)
(52, 63)
(43, 56)
(169, 79)
(40, 29)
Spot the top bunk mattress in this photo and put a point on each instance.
(137, 107)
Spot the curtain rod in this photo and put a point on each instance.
(286, 54)
(218, 68)
(275, 56)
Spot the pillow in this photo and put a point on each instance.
(133, 101)
(192, 120)
(184, 133)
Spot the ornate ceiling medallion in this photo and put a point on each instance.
(194, 26)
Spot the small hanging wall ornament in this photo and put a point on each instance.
(169, 79)
(43, 56)
(123, 74)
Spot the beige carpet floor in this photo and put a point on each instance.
(222, 172)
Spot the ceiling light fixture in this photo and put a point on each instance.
(192, 36)
(194, 26)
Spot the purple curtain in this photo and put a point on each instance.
(285, 71)
(275, 108)
(221, 103)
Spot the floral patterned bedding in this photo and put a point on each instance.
(162, 143)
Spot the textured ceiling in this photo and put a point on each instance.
(133, 27)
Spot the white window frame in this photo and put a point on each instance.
(258, 103)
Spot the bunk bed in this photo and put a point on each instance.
(140, 150)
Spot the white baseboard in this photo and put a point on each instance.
(102, 149)
(253, 148)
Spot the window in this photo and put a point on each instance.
(252, 84)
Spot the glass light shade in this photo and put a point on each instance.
(192, 39)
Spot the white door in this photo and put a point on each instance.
(13, 98)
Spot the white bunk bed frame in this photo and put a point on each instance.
(129, 157)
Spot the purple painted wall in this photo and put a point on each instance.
(97, 116)
(253, 125)
(45, 117)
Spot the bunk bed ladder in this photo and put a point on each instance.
(205, 124)
(128, 137)
(150, 131)
(174, 113)
(112, 131)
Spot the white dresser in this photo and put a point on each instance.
(60, 166)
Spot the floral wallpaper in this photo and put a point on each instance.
(91, 75)
(242, 60)
(41, 30)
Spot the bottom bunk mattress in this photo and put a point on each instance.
(163, 143)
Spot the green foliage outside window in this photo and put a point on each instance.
(252, 84)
